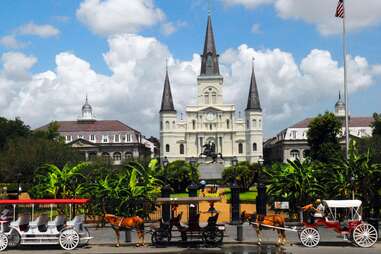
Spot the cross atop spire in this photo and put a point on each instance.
(253, 102)
(209, 58)
(167, 101)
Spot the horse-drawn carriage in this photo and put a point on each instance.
(210, 233)
(42, 229)
(344, 217)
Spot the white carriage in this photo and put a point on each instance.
(343, 216)
(43, 229)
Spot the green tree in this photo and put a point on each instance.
(376, 124)
(323, 137)
(178, 175)
(295, 182)
(358, 174)
(26, 154)
(51, 133)
(10, 129)
(244, 174)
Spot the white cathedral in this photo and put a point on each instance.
(211, 121)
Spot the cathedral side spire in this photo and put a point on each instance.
(167, 101)
(253, 102)
(209, 58)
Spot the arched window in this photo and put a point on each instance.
(167, 125)
(240, 148)
(227, 124)
(106, 156)
(193, 124)
(254, 123)
(181, 148)
(117, 156)
(248, 124)
(254, 147)
(167, 148)
(161, 125)
(295, 154)
(128, 155)
(259, 123)
(214, 98)
(173, 125)
(206, 98)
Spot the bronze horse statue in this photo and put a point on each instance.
(210, 151)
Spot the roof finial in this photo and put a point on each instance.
(209, 7)
(339, 95)
(252, 62)
(166, 64)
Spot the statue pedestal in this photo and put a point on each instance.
(212, 171)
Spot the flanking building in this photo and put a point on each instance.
(291, 143)
(108, 139)
(211, 120)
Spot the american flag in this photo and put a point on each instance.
(340, 9)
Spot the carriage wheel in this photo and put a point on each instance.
(3, 241)
(14, 238)
(365, 235)
(161, 236)
(69, 239)
(309, 237)
(212, 236)
(85, 233)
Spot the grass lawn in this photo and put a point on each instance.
(249, 196)
(179, 195)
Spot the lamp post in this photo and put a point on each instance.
(261, 188)
(165, 193)
(192, 188)
(235, 202)
(352, 180)
(18, 178)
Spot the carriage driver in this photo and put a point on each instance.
(315, 210)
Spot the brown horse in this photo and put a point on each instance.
(126, 223)
(275, 220)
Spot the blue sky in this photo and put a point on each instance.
(76, 40)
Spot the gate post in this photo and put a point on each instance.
(193, 208)
(261, 199)
(235, 203)
(166, 208)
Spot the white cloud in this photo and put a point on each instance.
(169, 27)
(360, 14)
(119, 16)
(43, 31)
(10, 41)
(132, 93)
(250, 4)
(256, 28)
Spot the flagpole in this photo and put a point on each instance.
(345, 85)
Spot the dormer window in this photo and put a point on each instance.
(105, 139)
(116, 138)
(80, 136)
(68, 138)
(92, 138)
(128, 137)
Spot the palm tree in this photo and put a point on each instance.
(295, 182)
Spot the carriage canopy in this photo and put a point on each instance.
(342, 203)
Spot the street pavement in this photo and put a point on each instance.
(104, 240)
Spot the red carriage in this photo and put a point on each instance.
(342, 216)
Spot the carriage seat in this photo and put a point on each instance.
(193, 223)
(212, 220)
(76, 222)
(41, 223)
(59, 222)
(22, 222)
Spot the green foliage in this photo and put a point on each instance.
(178, 175)
(358, 174)
(10, 129)
(26, 154)
(50, 134)
(244, 174)
(376, 124)
(295, 182)
(323, 137)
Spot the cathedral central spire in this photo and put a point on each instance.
(209, 58)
